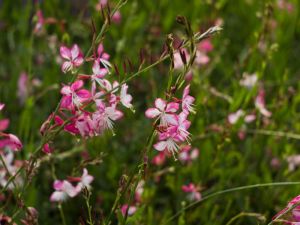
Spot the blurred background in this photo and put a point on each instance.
(255, 59)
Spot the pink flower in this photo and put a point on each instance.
(103, 57)
(4, 123)
(11, 141)
(250, 118)
(63, 190)
(2, 106)
(163, 110)
(201, 58)
(233, 118)
(249, 80)
(74, 96)
(285, 5)
(40, 21)
(260, 104)
(187, 154)
(187, 101)
(293, 161)
(178, 63)
(47, 149)
(22, 87)
(105, 116)
(182, 125)
(193, 192)
(139, 191)
(125, 97)
(292, 217)
(117, 17)
(85, 125)
(132, 209)
(205, 46)
(159, 159)
(85, 180)
(98, 75)
(73, 56)
(167, 141)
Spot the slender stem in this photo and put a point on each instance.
(130, 199)
(87, 197)
(230, 190)
(105, 25)
(274, 133)
(243, 214)
(150, 138)
(62, 214)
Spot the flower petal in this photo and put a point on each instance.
(160, 146)
(4, 124)
(65, 52)
(75, 51)
(83, 94)
(66, 66)
(77, 85)
(172, 107)
(152, 113)
(160, 104)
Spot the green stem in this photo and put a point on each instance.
(105, 25)
(215, 194)
(62, 215)
(89, 207)
(274, 133)
(243, 214)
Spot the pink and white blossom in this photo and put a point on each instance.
(85, 180)
(125, 97)
(74, 96)
(103, 57)
(261, 105)
(131, 209)
(73, 56)
(188, 154)
(164, 111)
(10, 141)
(249, 80)
(193, 192)
(187, 101)
(63, 190)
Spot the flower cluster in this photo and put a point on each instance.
(173, 125)
(64, 189)
(186, 155)
(88, 112)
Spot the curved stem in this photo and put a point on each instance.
(243, 214)
(215, 194)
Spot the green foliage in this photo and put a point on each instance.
(257, 37)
